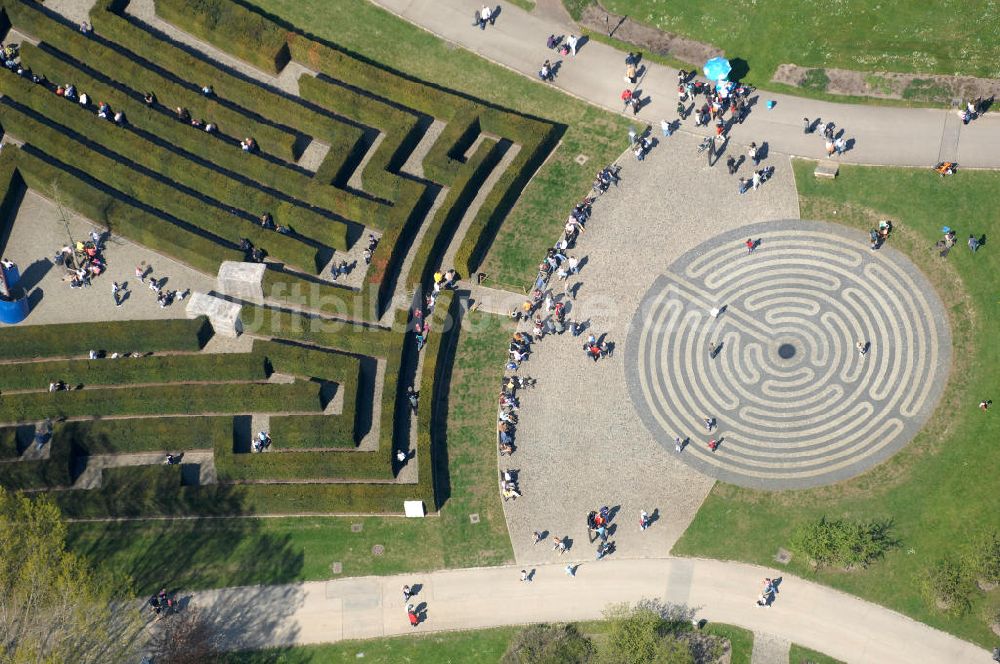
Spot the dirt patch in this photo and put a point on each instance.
(934, 88)
(656, 41)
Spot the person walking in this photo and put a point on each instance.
(862, 348)
(643, 520)
(412, 615)
(570, 571)
(538, 537)
(731, 165)
(631, 74)
(140, 273)
(678, 443)
(713, 445)
(743, 185)
(806, 124)
(829, 148)
(751, 245)
(116, 293)
(406, 594)
(485, 15)
(667, 128)
(525, 577)
(752, 152)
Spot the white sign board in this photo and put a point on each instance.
(414, 508)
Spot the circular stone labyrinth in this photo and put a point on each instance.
(795, 403)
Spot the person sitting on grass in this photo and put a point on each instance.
(248, 144)
(149, 98)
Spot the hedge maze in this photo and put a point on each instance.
(346, 156)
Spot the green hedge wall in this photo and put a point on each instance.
(156, 369)
(147, 434)
(82, 194)
(246, 34)
(115, 171)
(300, 213)
(248, 95)
(33, 20)
(44, 474)
(77, 339)
(206, 179)
(314, 431)
(178, 399)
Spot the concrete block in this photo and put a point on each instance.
(242, 280)
(222, 314)
(827, 169)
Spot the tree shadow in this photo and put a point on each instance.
(740, 69)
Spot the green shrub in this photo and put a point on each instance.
(984, 558)
(76, 339)
(549, 644)
(948, 585)
(815, 80)
(843, 543)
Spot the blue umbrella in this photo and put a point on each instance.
(717, 68)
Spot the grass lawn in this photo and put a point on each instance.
(537, 219)
(477, 646)
(219, 552)
(940, 491)
(802, 655)
(486, 645)
(945, 37)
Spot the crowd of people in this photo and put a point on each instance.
(82, 260)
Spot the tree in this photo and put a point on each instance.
(949, 585)
(642, 635)
(549, 644)
(985, 558)
(843, 543)
(54, 607)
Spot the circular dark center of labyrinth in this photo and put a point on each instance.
(794, 402)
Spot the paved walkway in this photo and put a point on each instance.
(807, 613)
(883, 135)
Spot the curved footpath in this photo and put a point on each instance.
(812, 615)
(883, 135)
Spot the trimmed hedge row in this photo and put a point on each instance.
(172, 58)
(148, 434)
(400, 129)
(434, 372)
(8, 443)
(246, 34)
(156, 369)
(229, 156)
(157, 491)
(154, 155)
(176, 399)
(441, 229)
(115, 171)
(33, 19)
(77, 339)
(320, 430)
(43, 474)
(444, 160)
(505, 193)
(314, 431)
(298, 465)
(82, 193)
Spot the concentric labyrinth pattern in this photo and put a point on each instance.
(795, 403)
